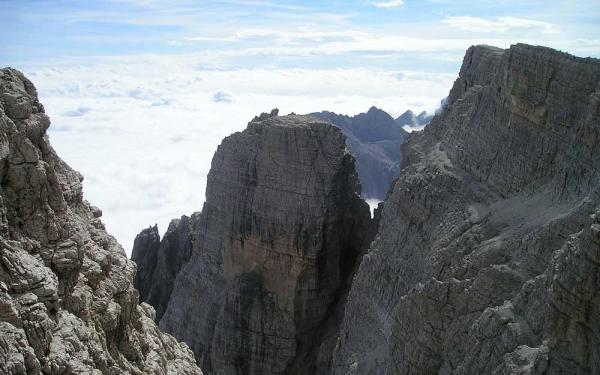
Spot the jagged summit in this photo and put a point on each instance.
(411, 121)
(407, 118)
(291, 120)
(264, 116)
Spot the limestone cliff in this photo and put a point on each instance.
(374, 139)
(486, 259)
(67, 301)
(263, 288)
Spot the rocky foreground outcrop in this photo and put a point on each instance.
(374, 139)
(487, 260)
(67, 301)
(255, 283)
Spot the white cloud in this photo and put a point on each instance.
(146, 143)
(78, 112)
(499, 24)
(330, 43)
(390, 4)
(303, 42)
(279, 35)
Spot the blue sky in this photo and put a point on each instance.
(140, 93)
(243, 33)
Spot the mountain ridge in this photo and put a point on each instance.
(495, 195)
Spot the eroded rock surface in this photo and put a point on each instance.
(271, 251)
(486, 260)
(67, 301)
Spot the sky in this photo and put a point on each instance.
(141, 92)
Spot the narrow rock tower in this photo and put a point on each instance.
(272, 249)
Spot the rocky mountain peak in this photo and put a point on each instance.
(486, 227)
(407, 118)
(411, 121)
(550, 96)
(374, 139)
(264, 116)
(261, 287)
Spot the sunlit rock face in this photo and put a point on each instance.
(486, 259)
(67, 301)
(281, 230)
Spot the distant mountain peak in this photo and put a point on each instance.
(410, 120)
(374, 139)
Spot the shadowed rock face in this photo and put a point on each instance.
(374, 138)
(278, 237)
(486, 259)
(159, 261)
(67, 301)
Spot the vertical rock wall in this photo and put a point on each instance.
(278, 236)
(487, 226)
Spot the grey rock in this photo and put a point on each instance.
(486, 259)
(145, 254)
(96, 211)
(411, 120)
(272, 251)
(374, 138)
(264, 116)
(67, 301)
(159, 261)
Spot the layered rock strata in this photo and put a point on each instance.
(374, 138)
(67, 301)
(486, 259)
(262, 290)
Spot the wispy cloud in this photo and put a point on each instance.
(280, 36)
(265, 4)
(389, 4)
(499, 24)
(360, 44)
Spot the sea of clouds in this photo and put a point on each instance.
(143, 130)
